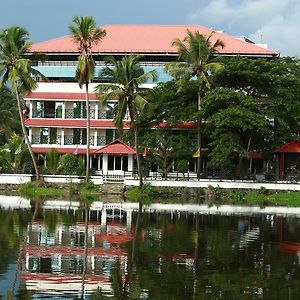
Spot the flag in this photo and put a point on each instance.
(197, 153)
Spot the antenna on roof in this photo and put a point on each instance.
(261, 37)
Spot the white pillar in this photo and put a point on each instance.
(128, 220)
(130, 162)
(103, 219)
(96, 111)
(27, 262)
(63, 115)
(30, 135)
(30, 109)
(62, 142)
(95, 137)
(105, 163)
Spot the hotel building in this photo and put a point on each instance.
(57, 117)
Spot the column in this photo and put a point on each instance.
(128, 220)
(103, 219)
(105, 163)
(30, 135)
(96, 111)
(30, 109)
(63, 110)
(62, 142)
(130, 162)
(95, 137)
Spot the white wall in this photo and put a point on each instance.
(14, 178)
(227, 184)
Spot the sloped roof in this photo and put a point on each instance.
(116, 147)
(150, 39)
(292, 147)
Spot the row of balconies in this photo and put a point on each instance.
(73, 114)
(69, 140)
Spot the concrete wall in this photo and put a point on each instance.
(226, 184)
(14, 178)
(70, 179)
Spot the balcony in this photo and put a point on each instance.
(77, 140)
(48, 140)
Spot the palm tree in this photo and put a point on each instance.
(126, 77)
(16, 69)
(195, 60)
(86, 34)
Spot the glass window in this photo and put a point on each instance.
(58, 109)
(53, 135)
(125, 163)
(118, 163)
(44, 135)
(110, 163)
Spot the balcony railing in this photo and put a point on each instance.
(101, 141)
(73, 114)
(76, 140)
(52, 140)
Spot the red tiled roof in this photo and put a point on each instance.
(292, 147)
(149, 39)
(73, 123)
(116, 147)
(184, 125)
(64, 96)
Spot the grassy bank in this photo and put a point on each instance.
(213, 196)
(83, 191)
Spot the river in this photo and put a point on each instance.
(59, 249)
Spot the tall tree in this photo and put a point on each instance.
(196, 62)
(86, 34)
(16, 69)
(126, 77)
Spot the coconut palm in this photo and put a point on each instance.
(16, 70)
(86, 34)
(196, 62)
(126, 77)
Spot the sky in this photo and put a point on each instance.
(273, 22)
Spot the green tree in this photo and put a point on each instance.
(14, 155)
(196, 62)
(236, 126)
(126, 77)
(16, 69)
(86, 34)
(275, 87)
(8, 115)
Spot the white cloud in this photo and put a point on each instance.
(276, 21)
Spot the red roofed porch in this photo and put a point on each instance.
(117, 157)
(289, 160)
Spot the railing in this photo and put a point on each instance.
(101, 141)
(52, 140)
(76, 140)
(74, 114)
(47, 113)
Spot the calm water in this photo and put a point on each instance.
(95, 253)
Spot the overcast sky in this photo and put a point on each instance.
(274, 22)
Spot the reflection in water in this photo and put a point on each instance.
(102, 251)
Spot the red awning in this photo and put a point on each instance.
(292, 147)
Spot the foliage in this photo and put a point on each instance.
(8, 115)
(14, 155)
(236, 126)
(32, 190)
(16, 70)
(53, 165)
(72, 164)
(166, 145)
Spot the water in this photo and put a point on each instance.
(76, 251)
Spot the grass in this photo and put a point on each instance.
(33, 190)
(291, 199)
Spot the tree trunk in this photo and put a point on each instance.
(199, 136)
(37, 173)
(133, 116)
(87, 104)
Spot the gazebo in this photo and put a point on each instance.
(117, 157)
(289, 158)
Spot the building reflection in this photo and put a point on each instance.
(54, 261)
